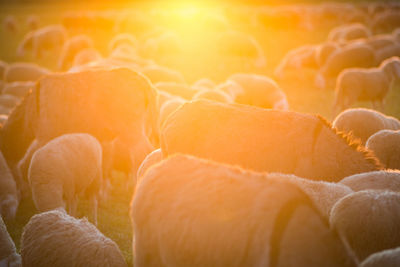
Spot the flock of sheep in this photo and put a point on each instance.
(223, 172)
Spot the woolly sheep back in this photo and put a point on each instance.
(54, 238)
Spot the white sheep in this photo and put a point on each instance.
(214, 95)
(386, 146)
(192, 212)
(167, 109)
(67, 166)
(123, 39)
(366, 84)
(376, 180)
(8, 253)
(264, 140)
(295, 59)
(362, 122)
(176, 89)
(258, 90)
(71, 48)
(356, 55)
(49, 38)
(86, 56)
(9, 198)
(17, 89)
(236, 45)
(162, 74)
(345, 33)
(386, 258)
(150, 160)
(24, 72)
(55, 239)
(368, 221)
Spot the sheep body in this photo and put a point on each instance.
(64, 168)
(24, 72)
(55, 239)
(9, 198)
(213, 199)
(368, 221)
(386, 146)
(259, 91)
(8, 253)
(387, 258)
(363, 123)
(376, 180)
(264, 140)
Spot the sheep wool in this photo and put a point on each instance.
(8, 254)
(368, 221)
(9, 198)
(386, 146)
(264, 140)
(189, 212)
(64, 168)
(362, 122)
(387, 258)
(376, 180)
(53, 238)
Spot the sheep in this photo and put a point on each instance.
(213, 200)
(24, 72)
(265, 140)
(324, 51)
(151, 159)
(366, 84)
(71, 48)
(176, 89)
(387, 52)
(161, 74)
(241, 46)
(55, 239)
(387, 258)
(10, 24)
(303, 56)
(9, 198)
(64, 168)
(8, 252)
(123, 39)
(386, 21)
(368, 221)
(3, 119)
(167, 109)
(127, 158)
(204, 83)
(215, 95)
(33, 21)
(362, 122)
(350, 56)
(9, 101)
(259, 91)
(86, 56)
(3, 67)
(376, 180)
(167, 44)
(349, 32)
(386, 146)
(51, 37)
(17, 89)
(82, 102)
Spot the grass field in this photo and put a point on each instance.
(114, 219)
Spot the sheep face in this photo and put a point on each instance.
(8, 207)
